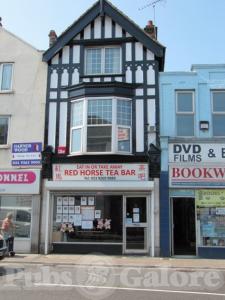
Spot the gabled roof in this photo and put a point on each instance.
(99, 8)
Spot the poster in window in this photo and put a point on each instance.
(59, 201)
(123, 134)
(91, 201)
(77, 219)
(136, 218)
(136, 210)
(83, 200)
(71, 209)
(65, 201)
(58, 219)
(59, 209)
(87, 225)
(65, 210)
(71, 218)
(88, 213)
(65, 218)
(77, 209)
(97, 214)
(71, 201)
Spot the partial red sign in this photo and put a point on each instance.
(22, 177)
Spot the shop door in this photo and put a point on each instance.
(184, 235)
(136, 225)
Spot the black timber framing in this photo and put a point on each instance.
(104, 41)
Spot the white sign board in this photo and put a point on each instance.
(197, 176)
(193, 153)
(19, 182)
(100, 172)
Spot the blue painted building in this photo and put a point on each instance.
(192, 184)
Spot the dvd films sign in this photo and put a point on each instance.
(196, 153)
(193, 176)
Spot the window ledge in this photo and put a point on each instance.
(4, 146)
(99, 153)
(7, 92)
(103, 75)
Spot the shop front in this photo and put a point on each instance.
(197, 200)
(20, 195)
(105, 208)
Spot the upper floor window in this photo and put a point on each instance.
(101, 125)
(218, 108)
(6, 76)
(185, 113)
(4, 128)
(102, 60)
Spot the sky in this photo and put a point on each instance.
(191, 30)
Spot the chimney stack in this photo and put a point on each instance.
(151, 30)
(52, 37)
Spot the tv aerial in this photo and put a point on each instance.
(151, 4)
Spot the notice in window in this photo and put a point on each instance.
(88, 213)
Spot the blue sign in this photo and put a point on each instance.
(26, 154)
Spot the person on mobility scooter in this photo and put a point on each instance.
(7, 231)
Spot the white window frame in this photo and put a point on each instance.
(114, 125)
(1, 71)
(217, 112)
(7, 142)
(186, 113)
(102, 60)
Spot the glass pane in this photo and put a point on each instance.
(124, 139)
(136, 210)
(76, 140)
(99, 112)
(112, 60)
(185, 125)
(3, 130)
(93, 61)
(184, 102)
(124, 112)
(103, 219)
(219, 125)
(20, 207)
(219, 102)
(99, 139)
(77, 114)
(136, 238)
(6, 77)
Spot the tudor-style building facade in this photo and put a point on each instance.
(102, 115)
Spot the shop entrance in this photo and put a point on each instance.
(183, 226)
(136, 238)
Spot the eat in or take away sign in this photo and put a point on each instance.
(196, 153)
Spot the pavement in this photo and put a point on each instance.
(118, 261)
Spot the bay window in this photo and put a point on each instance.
(103, 60)
(101, 125)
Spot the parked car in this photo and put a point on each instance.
(3, 248)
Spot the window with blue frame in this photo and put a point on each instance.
(185, 113)
(218, 108)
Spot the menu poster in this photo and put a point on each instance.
(91, 201)
(65, 201)
(58, 219)
(83, 200)
(88, 213)
(98, 214)
(71, 218)
(136, 210)
(87, 225)
(71, 209)
(59, 201)
(59, 209)
(77, 209)
(136, 218)
(65, 218)
(77, 220)
(71, 201)
(65, 209)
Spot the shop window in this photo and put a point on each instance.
(6, 76)
(20, 207)
(87, 219)
(218, 106)
(211, 217)
(4, 128)
(103, 60)
(185, 113)
(101, 126)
